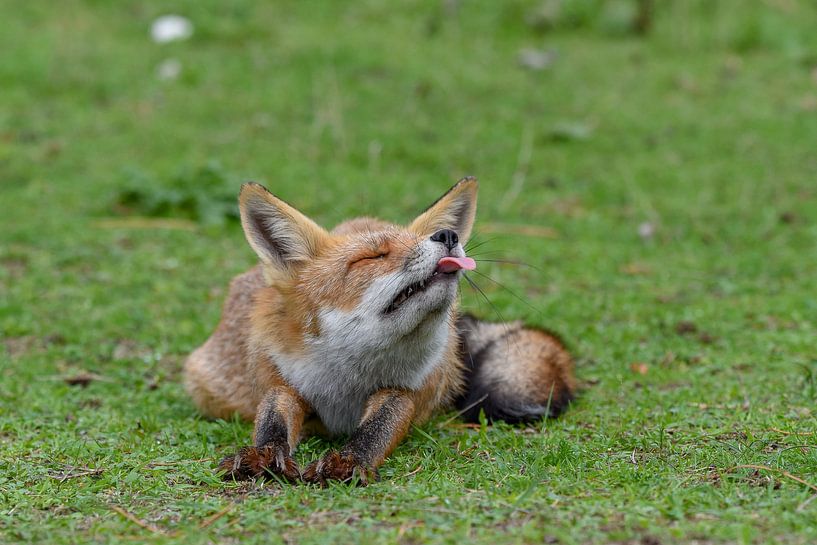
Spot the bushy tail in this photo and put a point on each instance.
(513, 373)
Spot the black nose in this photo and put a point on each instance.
(447, 237)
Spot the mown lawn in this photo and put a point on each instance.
(662, 188)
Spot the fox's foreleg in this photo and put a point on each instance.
(278, 422)
(385, 423)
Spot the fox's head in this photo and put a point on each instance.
(367, 283)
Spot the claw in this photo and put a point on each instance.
(254, 462)
(339, 467)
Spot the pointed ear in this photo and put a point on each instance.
(454, 210)
(279, 234)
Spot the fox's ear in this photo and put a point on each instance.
(454, 210)
(279, 234)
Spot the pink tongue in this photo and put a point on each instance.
(451, 264)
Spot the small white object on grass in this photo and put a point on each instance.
(170, 28)
(536, 59)
(169, 69)
(646, 230)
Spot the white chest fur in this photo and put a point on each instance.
(351, 360)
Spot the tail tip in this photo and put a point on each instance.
(496, 406)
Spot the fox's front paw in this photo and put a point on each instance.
(254, 462)
(339, 467)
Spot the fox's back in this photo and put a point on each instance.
(220, 373)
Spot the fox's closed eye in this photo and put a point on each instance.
(371, 257)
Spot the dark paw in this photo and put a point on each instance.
(255, 462)
(339, 467)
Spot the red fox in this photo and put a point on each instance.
(355, 332)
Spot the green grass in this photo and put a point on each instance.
(702, 131)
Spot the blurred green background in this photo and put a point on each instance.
(653, 163)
